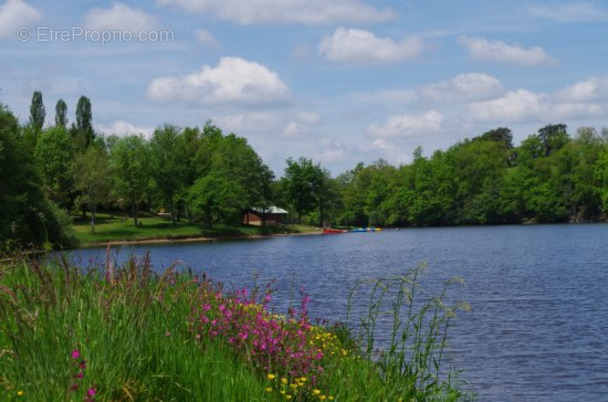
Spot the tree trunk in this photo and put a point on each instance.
(172, 210)
(93, 219)
(135, 211)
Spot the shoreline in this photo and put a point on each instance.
(190, 239)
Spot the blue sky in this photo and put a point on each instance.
(338, 81)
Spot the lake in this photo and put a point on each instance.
(538, 328)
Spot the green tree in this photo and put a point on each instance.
(130, 164)
(167, 164)
(53, 159)
(215, 197)
(61, 112)
(297, 185)
(27, 218)
(92, 178)
(37, 111)
(84, 122)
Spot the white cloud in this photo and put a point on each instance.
(523, 106)
(575, 12)
(463, 88)
(123, 128)
(300, 125)
(285, 12)
(514, 106)
(482, 49)
(407, 125)
(233, 81)
(363, 47)
(392, 152)
(119, 17)
(205, 37)
(250, 122)
(15, 14)
(591, 89)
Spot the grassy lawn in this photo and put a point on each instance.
(116, 228)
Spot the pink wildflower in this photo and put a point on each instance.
(75, 354)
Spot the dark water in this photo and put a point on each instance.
(538, 329)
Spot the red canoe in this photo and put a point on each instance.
(333, 231)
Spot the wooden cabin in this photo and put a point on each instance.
(269, 216)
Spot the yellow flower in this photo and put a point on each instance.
(287, 396)
(316, 391)
(20, 393)
(270, 377)
(283, 380)
(269, 389)
(303, 379)
(322, 397)
(331, 398)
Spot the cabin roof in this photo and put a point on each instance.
(269, 210)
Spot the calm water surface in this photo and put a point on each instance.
(538, 329)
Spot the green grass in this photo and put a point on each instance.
(115, 228)
(140, 336)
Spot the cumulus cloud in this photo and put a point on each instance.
(392, 152)
(15, 14)
(285, 12)
(123, 128)
(407, 125)
(463, 88)
(575, 12)
(483, 49)
(522, 106)
(233, 81)
(119, 17)
(591, 89)
(363, 47)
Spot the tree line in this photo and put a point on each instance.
(201, 174)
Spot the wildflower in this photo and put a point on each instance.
(322, 397)
(331, 398)
(269, 389)
(270, 377)
(287, 396)
(20, 393)
(283, 380)
(75, 354)
(316, 391)
(91, 392)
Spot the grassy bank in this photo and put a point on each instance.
(129, 334)
(114, 228)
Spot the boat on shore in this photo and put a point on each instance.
(334, 231)
(368, 229)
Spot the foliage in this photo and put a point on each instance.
(127, 333)
(129, 159)
(27, 217)
(37, 111)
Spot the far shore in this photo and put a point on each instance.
(189, 239)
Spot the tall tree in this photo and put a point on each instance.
(297, 185)
(216, 197)
(130, 164)
(53, 160)
(92, 178)
(84, 118)
(37, 111)
(167, 164)
(61, 111)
